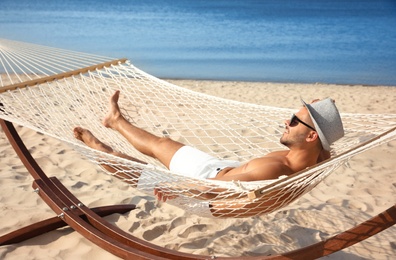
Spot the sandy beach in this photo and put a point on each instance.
(352, 194)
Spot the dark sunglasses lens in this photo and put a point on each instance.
(293, 121)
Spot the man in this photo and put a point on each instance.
(308, 135)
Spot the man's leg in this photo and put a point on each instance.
(161, 148)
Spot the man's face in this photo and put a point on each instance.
(295, 135)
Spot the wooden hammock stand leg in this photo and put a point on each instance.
(89, 222)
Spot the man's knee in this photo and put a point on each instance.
(169, 144)
(166, 149)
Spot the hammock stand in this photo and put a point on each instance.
(90, 224)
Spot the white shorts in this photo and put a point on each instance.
(191, 162)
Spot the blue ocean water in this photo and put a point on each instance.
(346, 42)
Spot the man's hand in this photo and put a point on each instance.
(164, 195)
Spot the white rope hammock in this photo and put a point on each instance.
(48, 90)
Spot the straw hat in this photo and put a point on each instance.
(327, 121)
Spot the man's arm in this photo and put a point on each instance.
(260, 172)
(270, 171)
(196, 192)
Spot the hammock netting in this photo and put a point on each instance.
(52, 91)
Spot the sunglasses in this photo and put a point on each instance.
(294, 120)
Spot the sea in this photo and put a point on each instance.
(293, 41)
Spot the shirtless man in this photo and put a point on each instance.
(308, 135)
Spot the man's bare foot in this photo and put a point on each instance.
(114, 113)
(90, 140)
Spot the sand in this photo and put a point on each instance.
(352, 194)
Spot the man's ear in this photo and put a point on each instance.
(312, 136)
